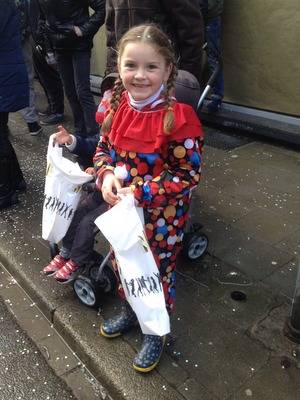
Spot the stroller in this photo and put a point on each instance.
(99, 278)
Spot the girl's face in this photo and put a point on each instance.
(142, 70)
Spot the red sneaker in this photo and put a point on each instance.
(56, 264)
(68, 272)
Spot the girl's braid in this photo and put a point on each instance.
(114, 104)
(169, 120)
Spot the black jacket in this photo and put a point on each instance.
(180, 19)
(211, 9)
(61, 16)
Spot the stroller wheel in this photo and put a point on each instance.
(195, 245)
(107, 280)
(87, 292)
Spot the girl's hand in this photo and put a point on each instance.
(89, 170)
(110, 186)
(125, 191)
(62, 136)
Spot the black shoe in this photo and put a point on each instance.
(8, 200)
(21, 185)
(213, 106)
(8, 182)
(53, 119)
(34, 128)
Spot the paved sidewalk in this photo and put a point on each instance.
(227, 338)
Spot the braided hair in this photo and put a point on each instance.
(158, 39)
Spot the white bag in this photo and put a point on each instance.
(123, 228)
(62, 193)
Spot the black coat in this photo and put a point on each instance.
(180, 19)
(60, 18)
(14, 87)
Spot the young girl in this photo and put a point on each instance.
(159, 142)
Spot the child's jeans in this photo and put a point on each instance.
(79, 239)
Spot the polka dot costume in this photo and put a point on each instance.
(162, 169)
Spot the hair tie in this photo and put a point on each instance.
(112, 112)
(170, 109)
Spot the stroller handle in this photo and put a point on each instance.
(215, 74)
(219, 64)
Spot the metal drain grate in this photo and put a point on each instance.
(223, 141)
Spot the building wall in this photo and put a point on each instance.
(99, 54)
(261, 54)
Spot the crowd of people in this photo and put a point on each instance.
(139, 124)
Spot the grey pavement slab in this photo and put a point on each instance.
(60, 357)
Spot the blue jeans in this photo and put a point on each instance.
(29, 113)
(74, 69)
(212, 35)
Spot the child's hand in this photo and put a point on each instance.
(110, 186)
(125, 191)
(90, 170)
(62, 136)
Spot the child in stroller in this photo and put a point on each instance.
(77, 245)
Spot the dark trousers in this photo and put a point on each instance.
(50, 80)
(212, 35)
(74, 70)
(79, 238)
(10, 171)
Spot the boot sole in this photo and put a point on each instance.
(151, 367)
(148, 369)
(109, 336)
(113, 335)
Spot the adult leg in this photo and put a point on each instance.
(81, 66)
(213, 39)
(17, 174)
(8, 165)
(51, 83)
(66, 72)
(29, 113)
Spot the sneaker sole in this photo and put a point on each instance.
(51, 123)
(63, 281)
(48, 274)
(37, 132)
